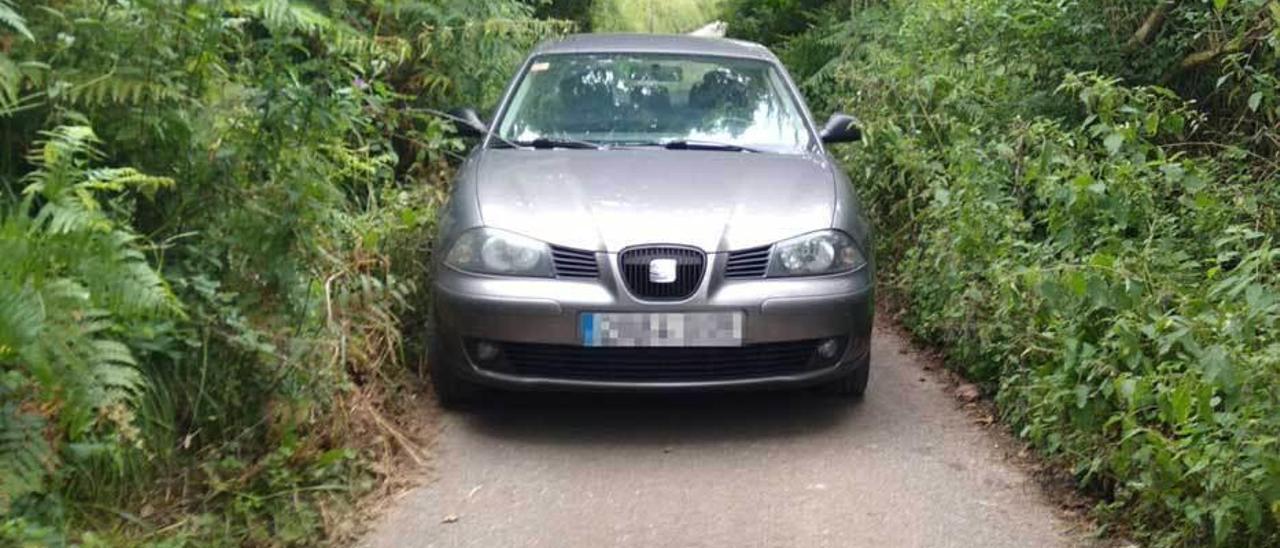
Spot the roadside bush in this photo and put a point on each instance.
(204, 347)
(774, 21)
(1085, 220)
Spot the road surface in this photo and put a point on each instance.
(904, 467)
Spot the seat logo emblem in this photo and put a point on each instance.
(662, 271)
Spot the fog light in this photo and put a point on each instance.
(486, 351)
(829, 349)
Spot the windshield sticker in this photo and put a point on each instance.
(539, 67)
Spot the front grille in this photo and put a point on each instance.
(748, 263)
(659, 364)
(690, 264)
(574, 263)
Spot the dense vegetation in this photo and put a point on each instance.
(212, 220)
(1078, 200)
(659, 16)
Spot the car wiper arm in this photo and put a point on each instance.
(460, 120)
(559, 142)
(690, 144)
(538, 143)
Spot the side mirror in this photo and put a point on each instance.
(468, 122)
(841, 128)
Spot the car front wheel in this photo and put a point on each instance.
(452, 390)
(853, 384)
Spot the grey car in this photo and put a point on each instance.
(651, 213)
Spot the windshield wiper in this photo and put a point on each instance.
(689, 144)
(560, 142)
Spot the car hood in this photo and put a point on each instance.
(612, 199)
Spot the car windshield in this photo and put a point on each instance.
(655, 99)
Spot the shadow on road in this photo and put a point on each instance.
(654, 420)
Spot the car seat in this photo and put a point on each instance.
(588, 93)
(720, 88)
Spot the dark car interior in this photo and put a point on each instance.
(658, 97)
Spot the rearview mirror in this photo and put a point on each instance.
(468, 122)
(841, 128)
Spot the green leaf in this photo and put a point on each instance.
(1077, 282)
(1113, 143)
(1180, 405)
(1224, 520)
(1128, 388)
(1218, 369)
(1255, 101)
(1152, 123)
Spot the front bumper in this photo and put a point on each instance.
(469, 307)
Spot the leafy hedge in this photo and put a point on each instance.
(1101, 255)
(201, 347)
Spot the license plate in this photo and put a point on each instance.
(662, 329)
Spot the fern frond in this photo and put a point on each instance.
(65, 144)
(120, 86)
(136, 288)
(25, 455)
(71, 204)
(10, 79)
(21, 317)
(10, 17)
(65, 293)
(116, 377)
(118, 179)
(69, 216)
(285, 17)
(73, 278)
(349, 42)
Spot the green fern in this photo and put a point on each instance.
(25, 455)
(65, 267)
(10, 79)
(301, 171)
(119, 86)
(286, 17)
(10, 17)
(11, 72)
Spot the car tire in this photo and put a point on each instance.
(853, 384)
(452, 391)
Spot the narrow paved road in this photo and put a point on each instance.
(904, 467)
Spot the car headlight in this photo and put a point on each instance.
(492, 251)
(825, 252)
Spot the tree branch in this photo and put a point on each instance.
(1151, 25)
(1201, 58)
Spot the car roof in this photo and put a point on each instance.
(655, 43)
